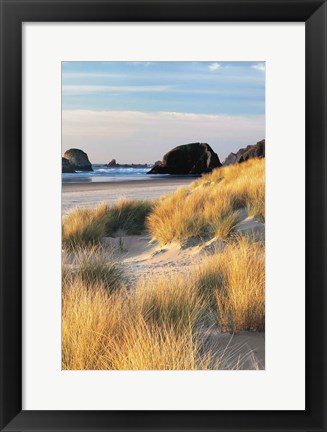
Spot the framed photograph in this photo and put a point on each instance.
(162, 268)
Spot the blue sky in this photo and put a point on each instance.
(234, 88)
(106, 98)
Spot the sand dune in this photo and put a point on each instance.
(141, 256)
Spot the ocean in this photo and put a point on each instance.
(103, 174)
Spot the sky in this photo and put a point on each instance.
(137, 111)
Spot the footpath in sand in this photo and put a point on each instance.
(141, 257)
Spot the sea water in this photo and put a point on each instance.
(101, 173)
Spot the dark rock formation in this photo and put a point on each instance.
(195, 158)
(114, 164)
(255, 151)
(66, 166)
(78, 160)
(251, 151)
(231, 159)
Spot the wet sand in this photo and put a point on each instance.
(93, 193)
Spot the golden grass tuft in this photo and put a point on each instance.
(90, 318)
(128, 216)
(234, 283)
(168, 300)
(101, 331)
(82, 227)
(209, 206)
(86, 227)
(97, 265)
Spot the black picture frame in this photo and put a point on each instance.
(13, 14)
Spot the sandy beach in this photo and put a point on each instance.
(93, 193)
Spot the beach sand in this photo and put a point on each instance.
(92, 194)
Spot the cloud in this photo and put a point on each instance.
(74, 90)
(78, 75)
(214, 66)
(259, 66)
(135, 136)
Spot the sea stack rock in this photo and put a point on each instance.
(194, 158)
(78, 160)
(251, 151)
(66, 166)
(112, 163)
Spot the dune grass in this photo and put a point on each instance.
(89, 318)
(160, 324)
(128, 216)
(223, 225)
(82, 227)
(256, 202)
(168, 300)
(234, 285)
(101, 331)
(86, 227)
(97, 265)
(210, 205)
